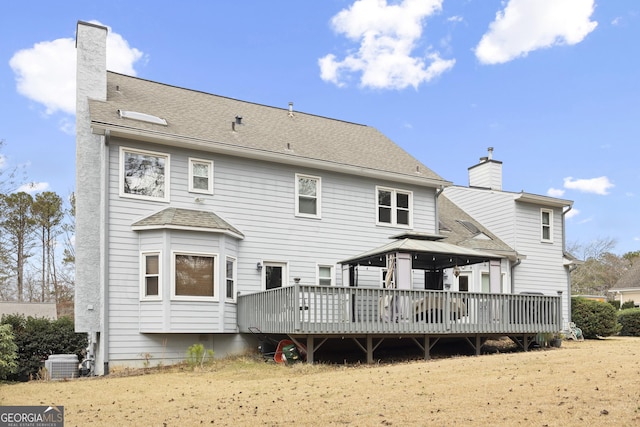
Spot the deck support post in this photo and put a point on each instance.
(478, 344)
(369, 349)
(427, 347)
(310, 349)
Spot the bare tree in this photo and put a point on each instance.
(48, 214)
(601, 269)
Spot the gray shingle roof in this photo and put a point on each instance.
(206, 119)
(452, 217)
(630, 279)
(186, 219)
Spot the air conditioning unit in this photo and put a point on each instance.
(61, 366)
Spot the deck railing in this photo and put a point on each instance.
(326, 310)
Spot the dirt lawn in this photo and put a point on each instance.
(581, 383)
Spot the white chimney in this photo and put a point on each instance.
(487, 173)
(91, 83)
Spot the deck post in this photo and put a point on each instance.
(310, 349)
(369, 349)
(427, 347)
(478, 344)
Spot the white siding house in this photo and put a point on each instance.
(532, 225)
(197, 214)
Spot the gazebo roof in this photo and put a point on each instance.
(426, 254)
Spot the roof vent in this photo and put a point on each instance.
(238, 120)
(290, 109)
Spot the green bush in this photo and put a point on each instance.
(37, 338)
(628, 304)
(630, 321)
(8, 352)
(596, 319)
(615, 303)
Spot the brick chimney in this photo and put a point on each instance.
(487, 173)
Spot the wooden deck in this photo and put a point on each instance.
(312, 314)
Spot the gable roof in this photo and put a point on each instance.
(186, 219)
(630, 279)
(459, 228)
(207, 122)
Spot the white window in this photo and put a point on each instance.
(230, 275)
(194, 276)
(150, 276)
(274, 274)
(546, 224)
(325, 275)
(200, 176)
(394, 207)
(144, 174)
(307, 196)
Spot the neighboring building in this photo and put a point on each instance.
(532, 225)
(628, 286)
(29, 309)
(199, 217)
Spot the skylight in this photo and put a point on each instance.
(142, 117)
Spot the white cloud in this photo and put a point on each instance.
(3, 161)
(387, 36)
(528, 25)
(572, 213)
(455, 19)
(600, 185)
(555, 192)
(33, 187)
(46, 72)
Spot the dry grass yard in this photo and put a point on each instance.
(581, 383)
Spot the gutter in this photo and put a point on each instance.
(264, 155)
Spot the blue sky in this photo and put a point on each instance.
(552, 85)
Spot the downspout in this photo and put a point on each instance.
(105, 266)
(513, 268)
(564, 213)
(437, 211)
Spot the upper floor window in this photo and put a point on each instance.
(307, 196)
(230, 275)
(144, 174)
(394, 207)
(200, 176)
(546, 224)
(150, 271)
(325, 275)
(194, 276)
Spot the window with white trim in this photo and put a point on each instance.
(230, 275)
(546, 225)
(194, 276)
(307, 196)
(325, 275)
(150, 280)
(200, 176)
(394, 207)
(144, 174)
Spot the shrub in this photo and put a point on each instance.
(197, 356)
(628, 304)
(8, 352)
(615, 303)
(37, 338)
(596, 319)
(630, 321)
